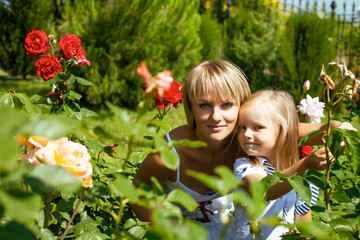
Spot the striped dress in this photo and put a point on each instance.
(284, 207)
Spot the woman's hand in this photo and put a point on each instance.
(317, 159)
(347, 126)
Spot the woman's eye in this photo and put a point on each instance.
(228, 104)
(204, 105)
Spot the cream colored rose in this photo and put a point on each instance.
(72, 156)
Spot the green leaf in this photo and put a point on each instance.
(188, 143)
(229, 179)
(25, 100)
(54, 177)
(352, 141)
(181, 197)
(9, 155)
(74, 95)
(70, 80)
(83, 81)
(124, 187)
(88, 113)
(46, 234)
(334, 141)
(137, 232)
(92, 236)
(213, 182)
(29, 205)
(310, 135)
(16, 231)
(170, 158)
(51, 126)
(301, 187)
(7, 99)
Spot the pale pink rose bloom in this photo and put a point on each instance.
(306, 86)
(312, 108)
(161, 82)
(356, 85)
(348, 73)
(72, 156)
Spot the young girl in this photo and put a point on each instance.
(269, 134)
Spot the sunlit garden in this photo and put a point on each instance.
(88, 89)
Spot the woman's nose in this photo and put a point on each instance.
(216, 115)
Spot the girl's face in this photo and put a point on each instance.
(257, 132)
(215, 119)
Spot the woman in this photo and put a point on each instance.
(213, 92)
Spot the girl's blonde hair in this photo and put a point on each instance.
(281, 108)
(218, 78)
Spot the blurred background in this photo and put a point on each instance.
(278, 44)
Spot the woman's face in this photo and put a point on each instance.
(215, 118)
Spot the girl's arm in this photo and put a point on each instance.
(315, 160)
(152, 166)
(305, 217)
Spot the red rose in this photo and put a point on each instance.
(305, 151)
(70, 46)
(173, 96)
(47, 66)
(36, 43)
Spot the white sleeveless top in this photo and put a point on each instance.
(213, 209)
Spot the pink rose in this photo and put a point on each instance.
(72, 156)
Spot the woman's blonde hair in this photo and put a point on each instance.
(280, 106)
(218, 78)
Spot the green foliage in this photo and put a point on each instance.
(305, 45)
(164, 34)
(18, 18)
(252, 43)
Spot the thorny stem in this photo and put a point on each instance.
(47, 200)
(72, 218)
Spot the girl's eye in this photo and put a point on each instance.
(258, 127)
(242, 127)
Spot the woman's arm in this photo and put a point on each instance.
(152, 166)
(306, 128)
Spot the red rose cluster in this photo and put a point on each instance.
(167, 91)
(37, 43)
(172, 96)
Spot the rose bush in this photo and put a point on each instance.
(47, 66)
(36, 43)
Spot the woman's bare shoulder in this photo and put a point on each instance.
(182, 132)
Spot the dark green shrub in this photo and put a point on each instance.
(306, 45)
(252, 43)
(19, 17)
(117, 35)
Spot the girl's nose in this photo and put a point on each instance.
(248, 133)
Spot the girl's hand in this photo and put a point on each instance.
(317, 159)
